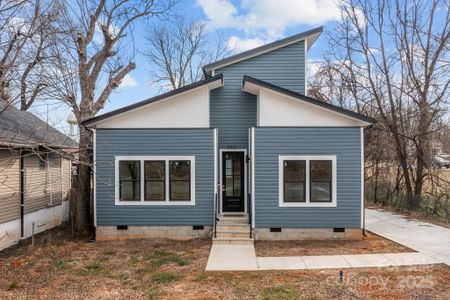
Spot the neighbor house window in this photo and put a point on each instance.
(129, 180)
(307, 181)
(155, 180)
(180, 180)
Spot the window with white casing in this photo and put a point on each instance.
(307, 181)
(155, 180)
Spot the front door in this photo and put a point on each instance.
(233, 181)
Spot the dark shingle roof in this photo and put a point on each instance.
(23, 129)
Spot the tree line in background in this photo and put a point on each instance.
(78, 52)
(387, 59)
(391, 60)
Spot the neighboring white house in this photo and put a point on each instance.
(35, 172)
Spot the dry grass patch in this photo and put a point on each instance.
(164, 269)
(370, 244)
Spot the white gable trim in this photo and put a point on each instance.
(189, 109)
(277, 109)
(109, 119)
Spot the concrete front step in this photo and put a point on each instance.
(230, 241)
(233, 235)
(233, 227)
(232, 220)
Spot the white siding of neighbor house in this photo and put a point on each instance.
(9, 185)
(186, 110)
(40, 184)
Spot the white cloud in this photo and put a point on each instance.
(128, 82)
(238, 44)
(221, 13)
(312, 67)
(269, 18)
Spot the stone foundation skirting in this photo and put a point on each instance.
(306, 234)
(110, 233)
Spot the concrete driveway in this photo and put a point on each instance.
(426, 238)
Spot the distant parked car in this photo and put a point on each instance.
(441, 162)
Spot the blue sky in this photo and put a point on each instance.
(245, 24)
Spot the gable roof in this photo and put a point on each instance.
(311, 35)
(276, 88)
(172, 93)
(23, 129)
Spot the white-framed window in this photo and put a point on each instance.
(155, 180)
(307, 181)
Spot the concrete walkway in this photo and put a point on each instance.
(243, 258)
(432, 243)
(232, 257)
(426, 238)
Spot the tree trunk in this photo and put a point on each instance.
(83, 224)
(377, 173)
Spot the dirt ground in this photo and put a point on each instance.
(63, 268)
(370, 244)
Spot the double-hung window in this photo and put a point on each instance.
(155, 180)
(129, 180)
(307, 181)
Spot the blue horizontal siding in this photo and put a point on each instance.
(164, 142)
(343, 142)
(234, 111)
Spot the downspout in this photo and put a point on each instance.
(363, 202)
(22, 192)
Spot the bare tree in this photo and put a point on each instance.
(91, 59)
(26, 30)
(391, 58)
(178, 49)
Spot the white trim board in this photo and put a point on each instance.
(221, 179)
(252, 159)
(142, 201)
(307, 202)
(95, 176)
(362, 177)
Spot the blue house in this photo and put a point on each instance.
(243, 154)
